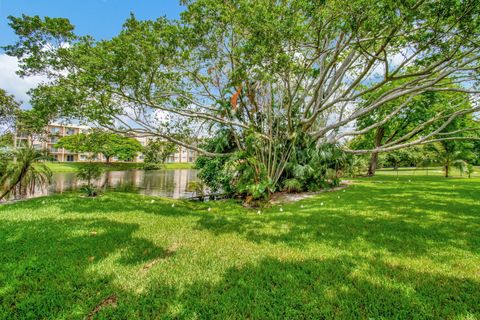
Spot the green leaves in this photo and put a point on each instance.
(8, 107)
(102, 142)
(42, 44)
(22, 176)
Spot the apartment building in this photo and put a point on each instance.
(55, 131)
(47, 141)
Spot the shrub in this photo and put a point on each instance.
(292, 185)
(152, 166)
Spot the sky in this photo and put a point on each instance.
(101, 19)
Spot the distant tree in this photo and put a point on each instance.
(404, 122)
(102, 142)
(450, 154)
(402, 157)
(157, 151)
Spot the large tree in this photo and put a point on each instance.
(278, 75)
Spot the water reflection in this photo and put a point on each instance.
(163, 183)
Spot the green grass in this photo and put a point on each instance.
(386, 248)
(431, 171)
(116, 166)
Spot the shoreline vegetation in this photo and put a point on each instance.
(404, 249)
(113, 166)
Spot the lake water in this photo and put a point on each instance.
(163, 183)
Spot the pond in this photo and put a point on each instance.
(163, 183)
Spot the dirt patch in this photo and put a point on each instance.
(109, 301)
(168, 253)
(285, 197)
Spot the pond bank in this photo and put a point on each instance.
(114, 166)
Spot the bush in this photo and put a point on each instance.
(213, 171)
(196, 187)
(89, 191)
(292, 185)
(152, 166)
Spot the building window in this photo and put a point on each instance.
(70, 131)
(70, 158)
(55, 130)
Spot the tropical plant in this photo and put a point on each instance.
(197, 187)
(24, 172)
(356, 165)
(450, 154)
(292, 185)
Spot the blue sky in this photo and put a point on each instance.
(101, 19)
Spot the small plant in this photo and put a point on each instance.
(89, 191)
(89, 172)
(197, 187)
(292, 185)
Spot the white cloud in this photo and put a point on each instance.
(12, 83)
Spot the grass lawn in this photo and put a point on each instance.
(431, 171)
(115, 166)
(386, 248)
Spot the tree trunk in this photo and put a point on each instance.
(446, 171)
(379, 133)
(373, 164)
(107, 159)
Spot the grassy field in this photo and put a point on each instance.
(385, 248)
(432, 171)
(116, 166)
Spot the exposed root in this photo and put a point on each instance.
(109, 301)
(168, 253)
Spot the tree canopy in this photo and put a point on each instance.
(8, 107)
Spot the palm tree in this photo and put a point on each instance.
(448, 157)
(24, 172)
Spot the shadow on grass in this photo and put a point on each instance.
(47, 266)
(341, 288)
(45, 263)
(404, 218)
